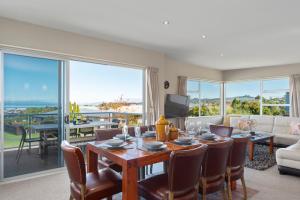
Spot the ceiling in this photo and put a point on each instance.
(239, 34)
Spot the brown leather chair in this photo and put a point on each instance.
(89, 186)
(180, 182)
(223, 131)
(236, 162)
(214, 168)
(105, 134)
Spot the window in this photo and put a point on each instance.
(204, 95)
(106, 92)
(243, 98)
(276, 97)
(262, 97)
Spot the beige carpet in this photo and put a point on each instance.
(262, 185)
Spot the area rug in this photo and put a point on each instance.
(262, 159)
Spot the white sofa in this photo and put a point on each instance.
(288, 159)
(277, 125)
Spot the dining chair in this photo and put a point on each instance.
(88, 186)
(25, 139)
(236, 162)
(223, 131)
(178, 182)
(214, 168)
(106, 134)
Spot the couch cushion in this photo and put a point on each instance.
(289, 157)
(286, 139)
(205, 120)
(263, 123)
(282, 124)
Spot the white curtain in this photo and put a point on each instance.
(152, 95)
(295, 95)
(181, 90)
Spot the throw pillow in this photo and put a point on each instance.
(294, 128)
(244, 124)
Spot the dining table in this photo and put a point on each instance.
(134, 156)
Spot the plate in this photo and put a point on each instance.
(155, 149)
(127, 138)
(112, 147)
(184, 142)
(149, 134)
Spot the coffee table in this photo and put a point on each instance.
(260, 137)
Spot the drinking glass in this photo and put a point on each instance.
(137, 131)
(125, 131)
(167, 130)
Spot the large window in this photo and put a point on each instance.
(261, 97)
(243, 98)
(204, 98)
(276, 97)
(106, 93)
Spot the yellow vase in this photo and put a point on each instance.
(160, 125)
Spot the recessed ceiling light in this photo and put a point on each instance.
(221, 54)
(166, 22)
(203, 36)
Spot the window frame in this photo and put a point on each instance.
(261, 93)
(199, 92)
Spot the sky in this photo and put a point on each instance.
(30, 79)
(36, 79)
(92, 83)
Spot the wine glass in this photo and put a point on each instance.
(167, 130)
(137, 132)
(125, 131)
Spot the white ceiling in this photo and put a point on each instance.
(249, 33)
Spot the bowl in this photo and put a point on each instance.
(208, 135)
(184, 139)
(122, 136)
(114, 142)
(153, 145)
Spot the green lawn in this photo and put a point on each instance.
(12, 140)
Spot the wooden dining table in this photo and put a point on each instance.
(132, 157)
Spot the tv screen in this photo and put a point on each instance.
(176, 106)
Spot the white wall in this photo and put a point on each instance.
(261, 72)
(27, 37)
(174, 68)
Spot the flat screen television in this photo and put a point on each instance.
(176, 106)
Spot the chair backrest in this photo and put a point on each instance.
(216, 158)
(105, 134)
(182, 180)
(238, 152)
(75, 163)
(22, 130)
(224, 131)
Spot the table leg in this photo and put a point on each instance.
(92, 160)
(251, 150)
(233, 185)
(129, 181)
(271, 145)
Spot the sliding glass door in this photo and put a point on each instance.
(32, 114)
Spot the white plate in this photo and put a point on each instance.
(155, 149)
(127, 138)
(184, 142)
(103, 145)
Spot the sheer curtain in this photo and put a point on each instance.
(152, 95)
(181, 90)
(295, 95)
